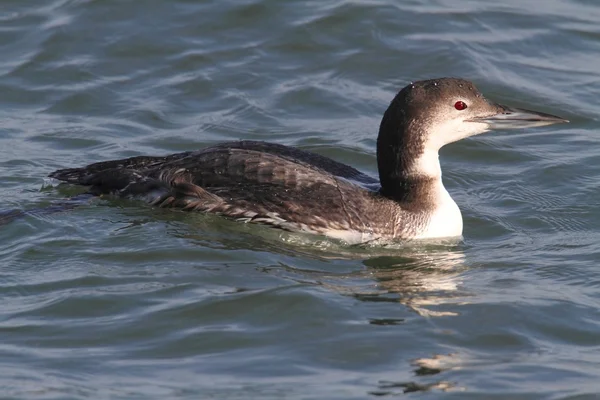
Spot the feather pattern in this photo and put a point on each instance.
(256, 182)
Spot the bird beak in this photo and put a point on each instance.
(514, 118)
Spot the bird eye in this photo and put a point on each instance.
(460, 105)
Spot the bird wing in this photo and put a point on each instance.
(253, 181)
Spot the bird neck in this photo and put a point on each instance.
(409, 167)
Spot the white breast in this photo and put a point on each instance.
(446, 221)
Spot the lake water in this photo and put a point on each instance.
(116, 300)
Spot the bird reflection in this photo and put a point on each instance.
(419, 279)
(423, 367)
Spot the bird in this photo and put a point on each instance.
(300, 191)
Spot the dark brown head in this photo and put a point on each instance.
(426, 115)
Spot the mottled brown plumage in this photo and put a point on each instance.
(253, 182)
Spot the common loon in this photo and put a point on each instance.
(297, 190)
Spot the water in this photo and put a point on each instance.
(117, 300)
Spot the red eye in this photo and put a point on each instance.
(460, 105)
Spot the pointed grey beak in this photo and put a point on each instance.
(514, 118)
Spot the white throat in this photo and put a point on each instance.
(446, 219)
(428, 164)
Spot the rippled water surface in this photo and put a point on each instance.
(114, 299)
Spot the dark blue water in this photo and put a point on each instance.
(117, 300)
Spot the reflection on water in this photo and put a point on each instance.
(425, 367)
(390, 388)
(419, 279)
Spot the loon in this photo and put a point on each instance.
(300, 191)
